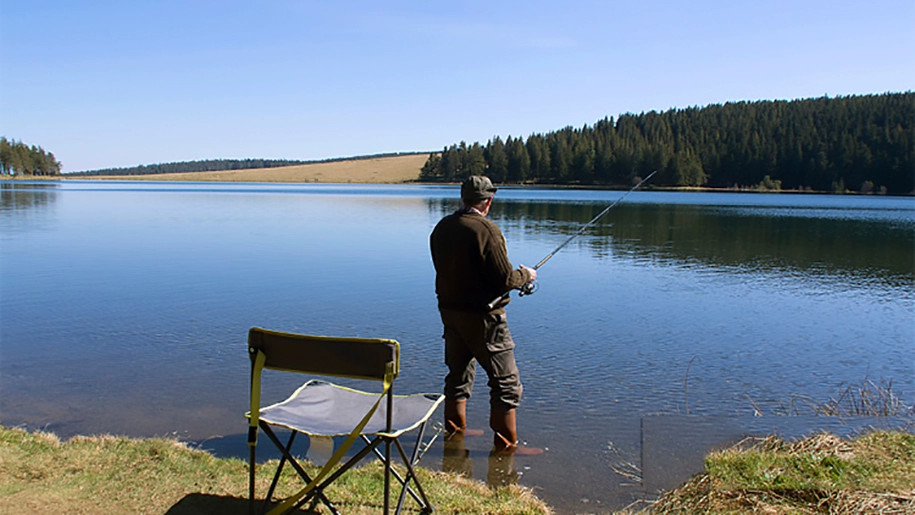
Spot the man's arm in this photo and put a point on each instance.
(509, 277)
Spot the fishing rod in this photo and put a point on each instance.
(531, 287)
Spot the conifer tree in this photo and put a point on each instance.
(496, 160)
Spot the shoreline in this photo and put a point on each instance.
(394, 170)
(225, 177)
(873, 470)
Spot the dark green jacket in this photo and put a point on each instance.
(471, 263)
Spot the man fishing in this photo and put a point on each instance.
(472, 268)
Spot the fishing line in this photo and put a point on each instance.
(531, 287)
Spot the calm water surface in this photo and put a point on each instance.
(124, 308)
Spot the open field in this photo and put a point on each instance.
(382, 170)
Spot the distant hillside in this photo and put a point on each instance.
(379, 170)
(862, 143)
(219, 165)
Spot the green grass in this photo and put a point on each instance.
(778, 472)
(104, 474)
(822, 474)
(877, 461)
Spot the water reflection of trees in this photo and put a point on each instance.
(21, 196)
(719, 237)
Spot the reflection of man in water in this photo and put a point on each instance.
(501, 469)
(472, 269)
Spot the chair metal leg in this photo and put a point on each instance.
(412, 473)
(424, 447)
(279, 468)
(414, 459)
(252, 460)
(418, 448)
(339, 472)
(389, 418)
(298, 468)
(387, 476)
(403, 494)
(396, 474)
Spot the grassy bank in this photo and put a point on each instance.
(874, 473)
(106, 474)
(39, 473)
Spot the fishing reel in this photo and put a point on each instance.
(528, 289)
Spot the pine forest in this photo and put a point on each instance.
(855, 143)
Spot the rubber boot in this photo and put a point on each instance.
(504, 424)
(456, 419)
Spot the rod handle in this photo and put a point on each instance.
(496, 300)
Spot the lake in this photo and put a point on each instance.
(124, 308)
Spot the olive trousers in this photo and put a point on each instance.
(483, 338)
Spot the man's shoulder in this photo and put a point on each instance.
(477, 221)
(448, 220)
(468, 221)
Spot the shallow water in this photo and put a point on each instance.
(124, 306)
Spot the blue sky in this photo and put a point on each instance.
(120, 83)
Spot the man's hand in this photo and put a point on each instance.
(531, 286)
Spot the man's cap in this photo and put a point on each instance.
(477, 188)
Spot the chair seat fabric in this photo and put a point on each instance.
(320, 408)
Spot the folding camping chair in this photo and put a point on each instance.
(322, 409)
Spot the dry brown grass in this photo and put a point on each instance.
(822, 474)
(382, 170)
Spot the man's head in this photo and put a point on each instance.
(476, 189)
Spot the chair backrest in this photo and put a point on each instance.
(357, 358)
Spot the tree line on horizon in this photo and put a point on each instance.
(207, 165)
(860, 143)
(17, 158)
